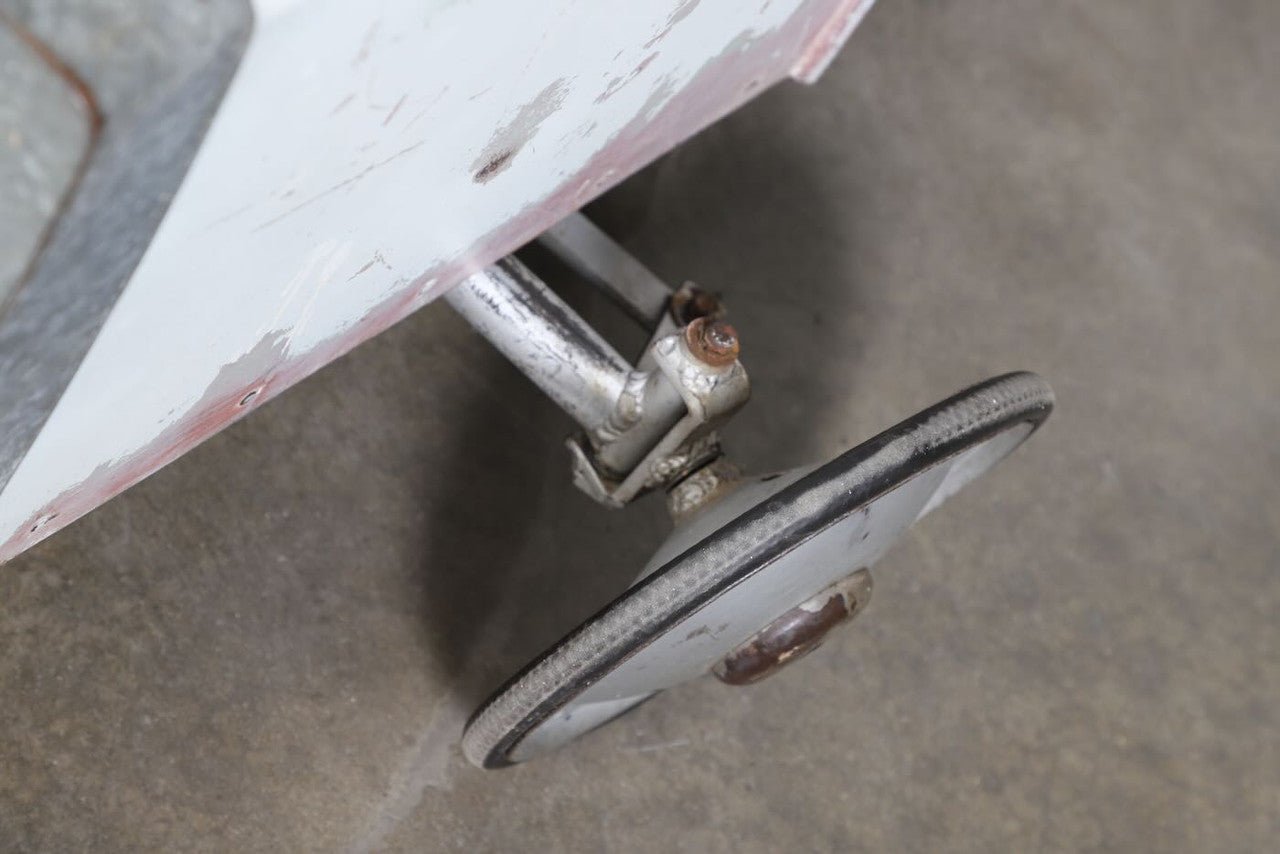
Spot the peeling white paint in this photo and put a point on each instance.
(353, 131)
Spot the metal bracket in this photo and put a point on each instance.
(710, 395)
(644, 427)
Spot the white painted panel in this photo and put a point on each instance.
(368, 156)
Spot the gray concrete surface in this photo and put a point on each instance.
(271, 645)
(45, 131)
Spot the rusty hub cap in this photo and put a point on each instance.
(796, 633)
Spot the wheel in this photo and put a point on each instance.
(759, 553)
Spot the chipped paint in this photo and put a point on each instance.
(684, 10)
(512, 137)
(617, 83)
(315, 323)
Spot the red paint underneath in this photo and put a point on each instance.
(822, 47)
(723, 84)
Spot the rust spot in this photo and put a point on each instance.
(714, 342)
(796, 633)
(493, 167)
(690, 302)
(508, 140)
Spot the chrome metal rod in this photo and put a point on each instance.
(594, 255)
(655, 408)
(545, 339)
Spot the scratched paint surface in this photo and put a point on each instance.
(367, 158)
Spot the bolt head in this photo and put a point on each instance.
(714, 342)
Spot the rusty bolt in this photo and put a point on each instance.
(691, 302)
(704, 304)
(712, 341)
(796, 633)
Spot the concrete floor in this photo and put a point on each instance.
(272, 644)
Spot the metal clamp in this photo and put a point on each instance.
(709, 394)
(644, 427)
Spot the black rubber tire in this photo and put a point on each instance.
(743, 546)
